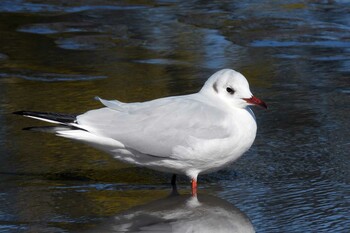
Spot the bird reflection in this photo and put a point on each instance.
(180, 214)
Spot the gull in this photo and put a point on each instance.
(188, 134)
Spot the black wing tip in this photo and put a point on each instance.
(21, 113)
(29, 128)
(28, 113)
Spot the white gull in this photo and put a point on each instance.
(189, 134)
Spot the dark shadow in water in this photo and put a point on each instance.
(180, 213)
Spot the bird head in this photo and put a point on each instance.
(232, 88)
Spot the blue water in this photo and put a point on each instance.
(58, 55)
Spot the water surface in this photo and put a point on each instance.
(58, 55)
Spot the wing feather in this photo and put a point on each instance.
(157, 127)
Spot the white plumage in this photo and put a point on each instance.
(189, 134)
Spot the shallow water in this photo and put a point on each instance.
(57, 55)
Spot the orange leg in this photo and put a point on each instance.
(194, 187)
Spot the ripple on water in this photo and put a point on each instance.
(334, 57)
(90, 42)
(20, 6)
(345, 90)
(3, 57)
(326, 43)
(161, 61)
(74, 27)
(50, 77)
(54, 28)
(315, 204)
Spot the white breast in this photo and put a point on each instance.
(208, 155)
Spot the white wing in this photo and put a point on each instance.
(157, 126)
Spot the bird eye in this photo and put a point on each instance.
(230, 90)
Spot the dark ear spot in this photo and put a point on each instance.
(215, 87)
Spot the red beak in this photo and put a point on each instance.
(255, 101)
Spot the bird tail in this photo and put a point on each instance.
(67, 126)
(66, 121)
(57, 118)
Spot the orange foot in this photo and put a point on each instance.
(194, 187)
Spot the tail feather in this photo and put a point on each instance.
(57, 118)
(68, 127)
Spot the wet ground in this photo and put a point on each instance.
(56, 55)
